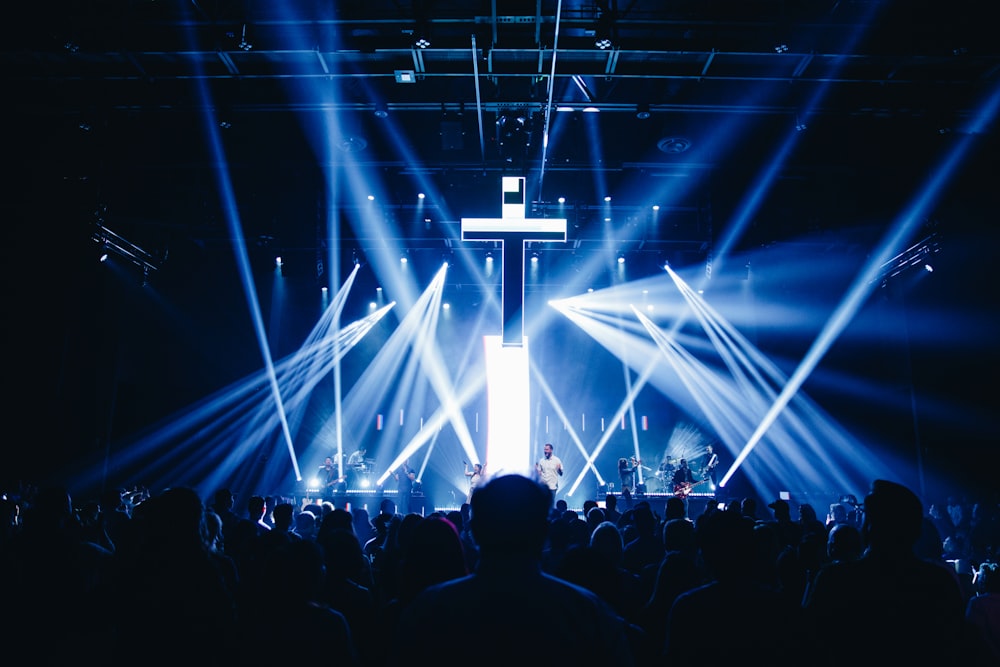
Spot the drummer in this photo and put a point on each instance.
(357, 458)
(665, 471)
(356, 467)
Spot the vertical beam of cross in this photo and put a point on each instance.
(513, 230)
(508, 445)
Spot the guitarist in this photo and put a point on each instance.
(711, 464)
(331, 478)
(683, 479)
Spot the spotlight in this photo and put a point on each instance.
(534, 257)
(604, 29)
(642, 111)
(621, 258)
(244, 44)
(381, 111)
(421, 195)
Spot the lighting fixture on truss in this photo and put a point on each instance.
(917, 254)
(113, 243)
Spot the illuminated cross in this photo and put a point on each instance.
(508, 447)
(513, 230)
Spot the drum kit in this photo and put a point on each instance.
(665, 472)
(363, 473)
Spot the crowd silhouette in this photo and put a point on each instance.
(160, 578)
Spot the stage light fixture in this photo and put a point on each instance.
(621, 258)
(604, 28)
(381, 110)
(642, 111)
(244, 44)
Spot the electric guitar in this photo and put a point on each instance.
(683, 489)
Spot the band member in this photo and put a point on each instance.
(331, 480)
(357, 458)
(356, 469)
(405, 478)
(626, 473)
(664, 473)
(549, 468)
(475, 478)
(683, 478)
(711, 464)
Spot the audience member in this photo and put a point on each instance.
(766, 625)
(904, 610)
(174, 597)
(982, 612)
(509, 597)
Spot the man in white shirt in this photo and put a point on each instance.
(549, 468)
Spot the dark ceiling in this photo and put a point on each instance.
(112, 99)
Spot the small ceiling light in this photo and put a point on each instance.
(621, 258)
(371, 197)
(422, 42)
(781, 48)
(607, 198)
(642, 111)
(534, 257)
(591, 110)
(381, 111)
(656, 207)
(277, 261)
(420, 195)
(561, 200)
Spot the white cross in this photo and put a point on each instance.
(513, 227)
